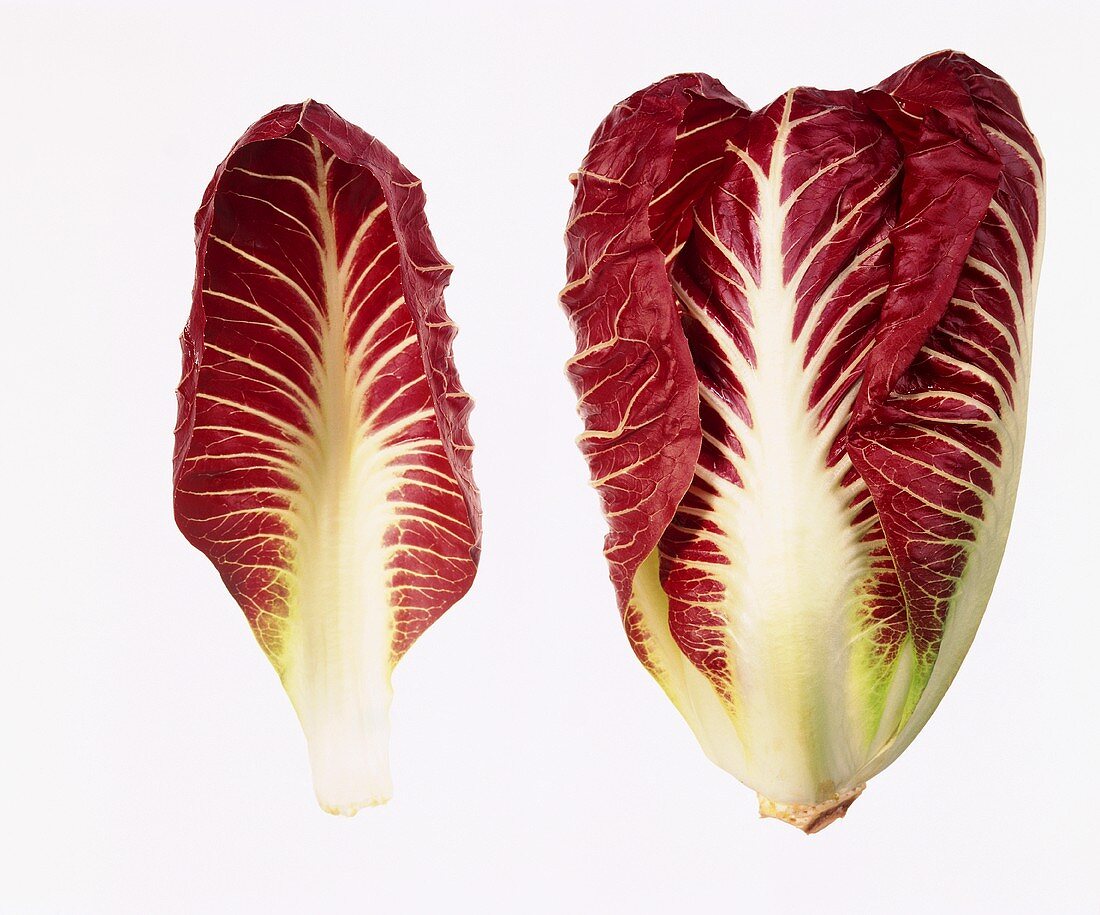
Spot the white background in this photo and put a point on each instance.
(149, 761)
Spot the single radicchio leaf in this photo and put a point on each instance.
(804, 337)
(322, 458)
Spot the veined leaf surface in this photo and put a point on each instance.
(803, 351)
(322, 456)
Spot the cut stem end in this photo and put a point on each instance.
(351, 773)
(347, 731)
(811, 818)
(350, 810)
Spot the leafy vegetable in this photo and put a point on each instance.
(322, 458)
(804, 336)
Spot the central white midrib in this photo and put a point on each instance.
(338, 658)
(792, 577)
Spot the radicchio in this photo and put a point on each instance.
(803, 344)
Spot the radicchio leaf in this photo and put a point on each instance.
(322, 457)
(803, 352)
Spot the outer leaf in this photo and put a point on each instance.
(958, 401)
(853, 275)
(633, 369)
(322, 457)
